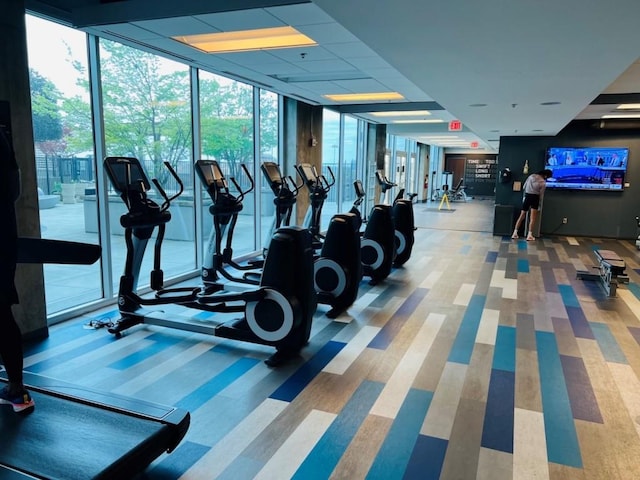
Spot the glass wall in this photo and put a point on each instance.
(331, 155)
(349, 163)
(64, 155)
(227, 136)
(146, 107)
(269, 129)
(147, 115)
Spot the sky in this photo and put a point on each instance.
(47, 43)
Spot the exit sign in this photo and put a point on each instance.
(474, 144)
(455, 125)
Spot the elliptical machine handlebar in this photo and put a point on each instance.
(242, 193)
(325, 183)
(291, 185)
(167, 199)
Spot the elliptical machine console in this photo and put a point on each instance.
(277, 313)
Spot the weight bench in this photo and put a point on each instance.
(611, 271)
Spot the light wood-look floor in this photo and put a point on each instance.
(483, 358)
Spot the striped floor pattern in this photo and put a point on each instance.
(483, 358)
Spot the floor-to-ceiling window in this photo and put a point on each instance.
(147, 115)
(349, 162)
(226, 118)
(331, 155)
(269, 129)
(64, 155)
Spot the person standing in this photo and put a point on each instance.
(534, 187)
(14, 393)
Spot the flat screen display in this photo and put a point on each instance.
(587, 168)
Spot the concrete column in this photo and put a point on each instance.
(14, 88)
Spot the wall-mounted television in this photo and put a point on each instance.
(587, 168)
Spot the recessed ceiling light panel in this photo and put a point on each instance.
(247, 40)
(364, 97)
(402, 113)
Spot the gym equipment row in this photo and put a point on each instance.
(278, 312)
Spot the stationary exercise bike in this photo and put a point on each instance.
(277, 313)
(337, 267)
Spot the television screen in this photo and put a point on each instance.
(588, 168)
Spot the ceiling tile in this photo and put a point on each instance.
(168, 27)
(301, 14)
(241, 20)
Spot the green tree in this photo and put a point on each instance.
(226, 116)
(47, 119)
(147, 113)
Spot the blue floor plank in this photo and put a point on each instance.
(426, 459)
(210, 389)
(523, 265)
(307, 372)
(607, 343)
(581, 396)
(491, 257)
(177, 463)
(465, 339)
(72, 354)
(160, 342)
(387, 333)
(504, 356)
(560, 429)
(569, 298)
(579, 323)
(393, 458)
(497, 431)
(327, 452)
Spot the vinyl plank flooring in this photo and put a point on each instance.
(483, 357)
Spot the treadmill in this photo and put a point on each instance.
(75, 433)
(79, 434)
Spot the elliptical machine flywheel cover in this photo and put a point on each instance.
(329, 277)
(401, 242)
(372, 253)
(271, 318)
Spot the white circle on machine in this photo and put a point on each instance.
(287, 317)
(401, 242)
(327, 263)
(368, 243)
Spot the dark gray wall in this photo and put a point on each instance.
(589, 213)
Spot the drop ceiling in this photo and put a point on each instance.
(503, 68)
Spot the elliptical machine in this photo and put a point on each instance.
(224, 210)
(403, 220)
(285, 191)
(319, 187)
(278, 313)
(337, 268)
